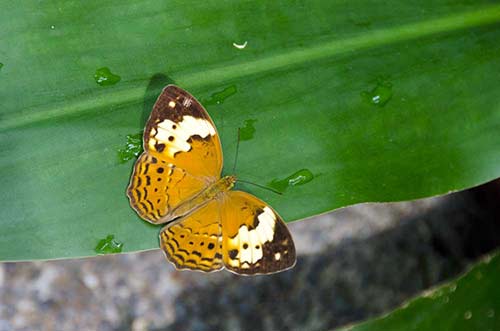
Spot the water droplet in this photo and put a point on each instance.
(52, 27)
(246, 132)
(219, 97)
(468, 315)
(300, 177)
(132, 149)
(453, 287)
(241, 46)
(490, 313)
(379, 95)
(108, 245)
(104, 77)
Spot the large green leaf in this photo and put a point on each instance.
(379, 101)
(467, 304)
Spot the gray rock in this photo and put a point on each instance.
(353, 263)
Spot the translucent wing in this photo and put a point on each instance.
(255, 240)
(194, 241)
(182, 156)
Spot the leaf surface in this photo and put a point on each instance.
(466, 304)
(378, 101)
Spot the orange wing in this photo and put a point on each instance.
(182, 156)
(194, 241)
(255, 240)
(157, 188)
(181, 132)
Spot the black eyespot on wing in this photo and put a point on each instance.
(233, 254)
(160, 147)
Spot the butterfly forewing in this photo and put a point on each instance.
(182, 156)
(157, 187)
(255, 240)
(181, 132)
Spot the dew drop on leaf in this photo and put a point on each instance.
(132, 149)
(247, 132)
(104, 77)
(108, 245)
(299, 177)
(379, 95)
(219, 97)
(468, 315)
(240, 46)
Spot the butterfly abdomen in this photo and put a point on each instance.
(222, 185)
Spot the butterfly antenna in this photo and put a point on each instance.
(245, 181)
(237, 150)
(261, 186)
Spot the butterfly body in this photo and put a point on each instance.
(223, 185)
(177, 181)
(213, 191)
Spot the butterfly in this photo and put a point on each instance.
(177, 181)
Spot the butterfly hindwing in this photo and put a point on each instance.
(255, 240)
(194, 241)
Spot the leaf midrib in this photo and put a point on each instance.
(470, 19)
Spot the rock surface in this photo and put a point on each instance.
(353, 263)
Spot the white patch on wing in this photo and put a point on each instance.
(253, 239)
(175, 140)
(265, 228)
(243, 236)
(234, 263)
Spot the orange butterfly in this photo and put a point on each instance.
(177, 181)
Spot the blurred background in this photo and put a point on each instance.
(353, 263)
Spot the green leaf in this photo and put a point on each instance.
(467, 304)
(378, 101)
